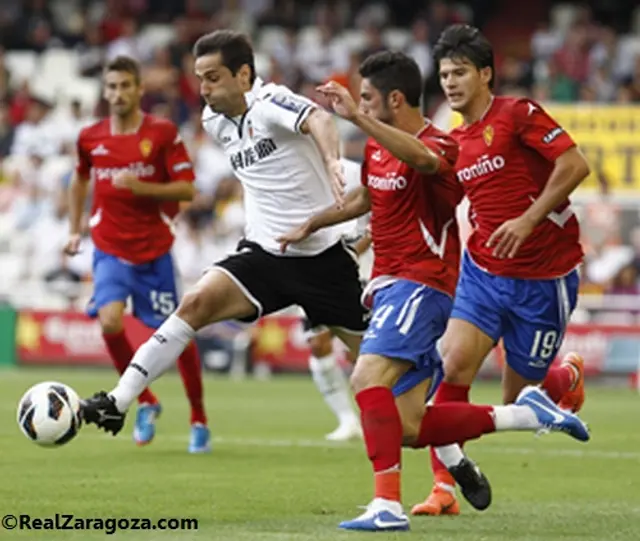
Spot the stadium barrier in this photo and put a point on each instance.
(7, 335)
(275, 344)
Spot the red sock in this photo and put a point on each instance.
(447, 392)
(558, 381)
(444, 424)
(189, 366)
(383, 438)
(121, 353)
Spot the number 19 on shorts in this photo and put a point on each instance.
(544, 344)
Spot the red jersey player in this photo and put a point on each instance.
(409, 185)
(140, 171)
(519, 278)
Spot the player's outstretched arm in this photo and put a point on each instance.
(402, 145)
(77, 196)
(324, 132)
(357, 203)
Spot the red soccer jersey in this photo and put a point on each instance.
(505, 161)
(136, 229)
(413, 222)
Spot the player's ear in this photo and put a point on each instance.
(486, 75)
(244, 76)
(395, 99)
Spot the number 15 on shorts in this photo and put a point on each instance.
(162, 302)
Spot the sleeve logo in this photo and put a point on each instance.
(553, 134)
(289, 102)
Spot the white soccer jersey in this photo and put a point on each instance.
(281, 170)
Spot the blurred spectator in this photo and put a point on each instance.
(6, 130)
(420, 48)
(37, 131)
(91, 52)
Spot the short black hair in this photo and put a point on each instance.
(126, 64)
(461, 41)
(234, 48)
(388, 71)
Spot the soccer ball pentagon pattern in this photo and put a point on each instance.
(49, 414)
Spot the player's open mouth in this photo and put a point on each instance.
(454, 95)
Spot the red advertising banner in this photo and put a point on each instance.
(279, 342)
(67, 338)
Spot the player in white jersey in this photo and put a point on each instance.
(285, 152)
(327, 374)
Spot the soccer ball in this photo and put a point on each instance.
(49, 414)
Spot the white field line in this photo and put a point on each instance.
(583, 452)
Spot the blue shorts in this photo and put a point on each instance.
(151, 286)
(530, 316)
(407, 321)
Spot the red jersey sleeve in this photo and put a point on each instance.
(176, 158)
(538, 131)
(445, 149)
(83, 162)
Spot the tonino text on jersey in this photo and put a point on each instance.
(139, 169)
(484, 165)
(244, 158)
(389, 183)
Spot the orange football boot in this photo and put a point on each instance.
(439, 502)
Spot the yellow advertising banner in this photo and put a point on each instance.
(609, 136)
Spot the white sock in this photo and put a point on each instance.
(153, 358)
(515, 418)
(449, 455)
(332, 384)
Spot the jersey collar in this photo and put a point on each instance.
(251, 96)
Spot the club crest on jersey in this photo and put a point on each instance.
(487, 135)
(145, 147)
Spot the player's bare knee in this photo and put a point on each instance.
(363, 375)
(111, 324)
(194, 309)
(321, 345)
(111, 321)
(459, 368)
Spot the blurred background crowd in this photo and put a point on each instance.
(52, 52)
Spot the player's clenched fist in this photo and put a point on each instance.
(341, 100)
(72, 247)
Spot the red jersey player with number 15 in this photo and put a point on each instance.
(140, 171)
(519, 279)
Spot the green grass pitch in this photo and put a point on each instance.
(272, 477)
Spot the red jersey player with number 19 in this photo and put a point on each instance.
(519, 279)
(140, 171)
(409, 185)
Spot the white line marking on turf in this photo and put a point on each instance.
(320, 444)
